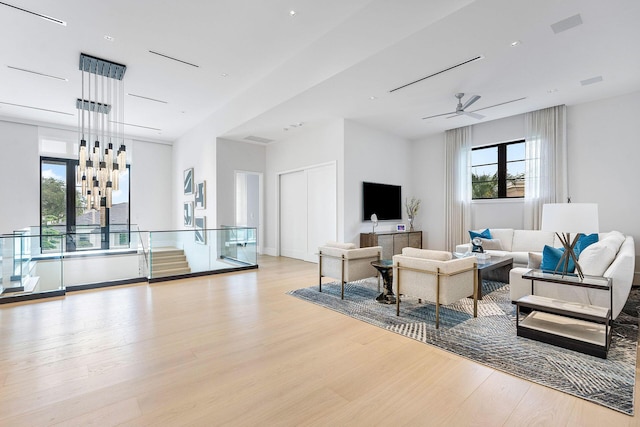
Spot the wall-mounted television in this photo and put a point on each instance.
(384, 200)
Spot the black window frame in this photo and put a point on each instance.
(70, 226)
(502, 163)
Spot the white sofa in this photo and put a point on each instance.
(612, 256)
(515, 243)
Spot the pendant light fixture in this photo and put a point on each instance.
(100, 128)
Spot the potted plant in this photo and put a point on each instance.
(412, 206)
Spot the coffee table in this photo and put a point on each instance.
(499, 266)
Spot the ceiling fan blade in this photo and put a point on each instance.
(474, 115)
(438, 115)
(470, 101)
(502, 103)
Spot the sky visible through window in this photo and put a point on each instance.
(58, 172)
(483, 156)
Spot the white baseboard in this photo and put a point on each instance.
(269, 251)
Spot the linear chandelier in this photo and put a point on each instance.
(99, 169)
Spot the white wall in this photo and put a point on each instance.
(234, 156)
(604, 150)
(151, 186)
(150, 181)
(20, 176)
(374, 156)
(307, 146)
(427, 174)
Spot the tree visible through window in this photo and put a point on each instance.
(64, 210)
(497, 171)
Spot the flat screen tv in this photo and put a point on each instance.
(384, 200)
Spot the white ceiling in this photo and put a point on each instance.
(325, 62)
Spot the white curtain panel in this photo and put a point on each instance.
(546, 162)
(458, 186)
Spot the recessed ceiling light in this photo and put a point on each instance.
(292, 13)
(373, 97)
(108, 38)
(224, 75)
(516, 43)
(552, 90)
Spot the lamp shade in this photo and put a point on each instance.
(570, 218)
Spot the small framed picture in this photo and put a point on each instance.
(188, 181)
(188, 214)
(201, 230)
(401, 227)
(201, 195)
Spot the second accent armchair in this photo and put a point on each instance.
(346, 262)
(434, 276)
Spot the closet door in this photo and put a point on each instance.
(293, 215)
(308, 211)
(321, 209)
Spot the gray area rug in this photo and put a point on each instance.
(491, 339)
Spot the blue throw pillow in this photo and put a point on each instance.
(584, 241)
(486, 234)
(551, 257)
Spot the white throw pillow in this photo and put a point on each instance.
(596, 258)
(535, 259)
(491, 244)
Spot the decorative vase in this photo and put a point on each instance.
(410, 223)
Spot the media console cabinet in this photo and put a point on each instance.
(392, 242)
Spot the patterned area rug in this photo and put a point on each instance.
(491, 339)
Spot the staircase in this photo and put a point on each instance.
(169, 262)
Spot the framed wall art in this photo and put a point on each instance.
(188, 181)
(201, 195)
(188, 214)
(201, 230)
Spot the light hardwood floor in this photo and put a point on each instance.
(234, 349)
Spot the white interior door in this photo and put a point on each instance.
(308, 211)
(293, 215)
(321, 209)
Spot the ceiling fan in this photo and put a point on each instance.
(460, 109)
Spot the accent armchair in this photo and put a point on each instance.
(434, 276)
(346, 262)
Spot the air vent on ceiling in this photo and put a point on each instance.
(173, 59)
(135, 126)
(566, 24)
(258, 139)
(147, 98)
(592, 80)
(39, 15)
(36, 108)
(477, 58)
(37, 73)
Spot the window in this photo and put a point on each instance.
(63, 209)
(497, 171)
